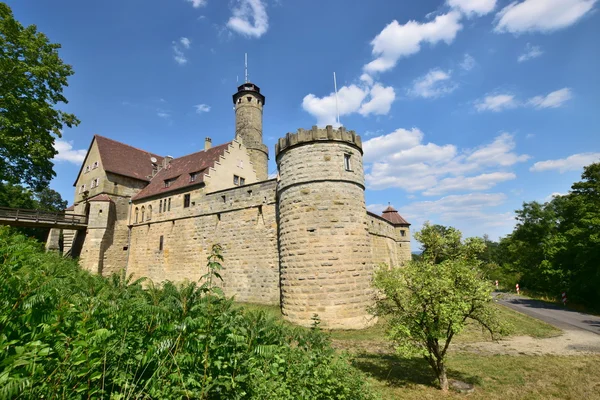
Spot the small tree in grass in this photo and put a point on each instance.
(429, 301)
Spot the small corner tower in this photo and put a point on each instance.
(249, 104)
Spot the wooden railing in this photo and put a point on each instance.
(20, 216)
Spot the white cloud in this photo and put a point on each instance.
(496, 102)
(249, 18)
(202, 108)
(541, 15)
(401, 159)
(468, 62)
(551, 196)
(381, 99)
(396, 41)
(163, 114)
(574, 162)
(499, 152)
(468, 184)
(531, 52)
(551, 100)
(67, 153)
(472, 7)
(178, 54)
(435, 83)
(351, 99)
(185, 42)
(376, 208)
(197, 3)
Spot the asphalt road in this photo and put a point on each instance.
(554, 315)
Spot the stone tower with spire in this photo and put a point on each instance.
(249, 102)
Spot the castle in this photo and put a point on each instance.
(304, 240)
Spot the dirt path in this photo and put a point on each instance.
(571, 342)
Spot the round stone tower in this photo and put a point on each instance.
(324, 244)
(248, 126)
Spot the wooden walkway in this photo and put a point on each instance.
(41, 219)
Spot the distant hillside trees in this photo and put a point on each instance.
(555, 246)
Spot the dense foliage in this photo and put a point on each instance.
(429, 301)
(65, 333)
(32, 78)
(555, 246)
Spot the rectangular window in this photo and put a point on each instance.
(347, 165)
(160, 243)
(242, 181)
(160, 206)
(95, 165)
(236, 180)
(167, 183)
(193, 177)
(92, 184)
(169, 204)
(87, 168)
(186, 200)
(402, 233)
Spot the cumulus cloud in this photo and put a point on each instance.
(66, 152)
(364, 100)
(249, 18)
(531, 52)
(551, 100)
(468, 62)
(197, 3)
(202, 108)
(402, 40)
(401, 159)
(541, 15)
(435, 83)
(496, 102)
(473, 7)
(574, 162)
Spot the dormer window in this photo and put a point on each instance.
(167, 183)
(193, 176)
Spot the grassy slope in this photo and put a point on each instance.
(495, 377)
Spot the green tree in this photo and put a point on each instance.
(32, 78)
(428, 302)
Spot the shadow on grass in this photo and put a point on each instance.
(399, 372)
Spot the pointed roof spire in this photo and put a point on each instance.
(391, 214)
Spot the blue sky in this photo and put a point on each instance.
(467, 108)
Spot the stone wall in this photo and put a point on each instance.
(241, 219)
(388, 246)
(248, 127)
(325, 254)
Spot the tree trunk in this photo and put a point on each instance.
(442, 377)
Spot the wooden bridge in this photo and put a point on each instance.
(41, 219)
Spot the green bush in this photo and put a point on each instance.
(65, 333)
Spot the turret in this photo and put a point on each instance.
(249, 104)
(324, 246)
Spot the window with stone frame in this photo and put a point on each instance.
(236, 180)
(169, 209)
(160, 207)
(347, 164)
(95, 165)
(160, 243)
(137, 212)
(186, 200)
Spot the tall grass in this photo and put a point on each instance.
(65, 333)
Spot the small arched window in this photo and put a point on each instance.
(149, 213)
(136, 215)
(143, 212)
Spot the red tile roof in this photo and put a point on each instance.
(100, 197)
(391, 215)
(179, 169)
(125, 160)
(70, 208)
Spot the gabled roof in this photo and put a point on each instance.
(125, 160)
(179, 169)
(391, 215)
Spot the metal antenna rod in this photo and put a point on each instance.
(337, 110)
(246, 65)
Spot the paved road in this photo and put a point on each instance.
(554, 315)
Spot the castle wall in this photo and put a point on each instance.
(388, 246)
(241, 219)
(325, 253)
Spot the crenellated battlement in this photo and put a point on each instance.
(316, 134)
